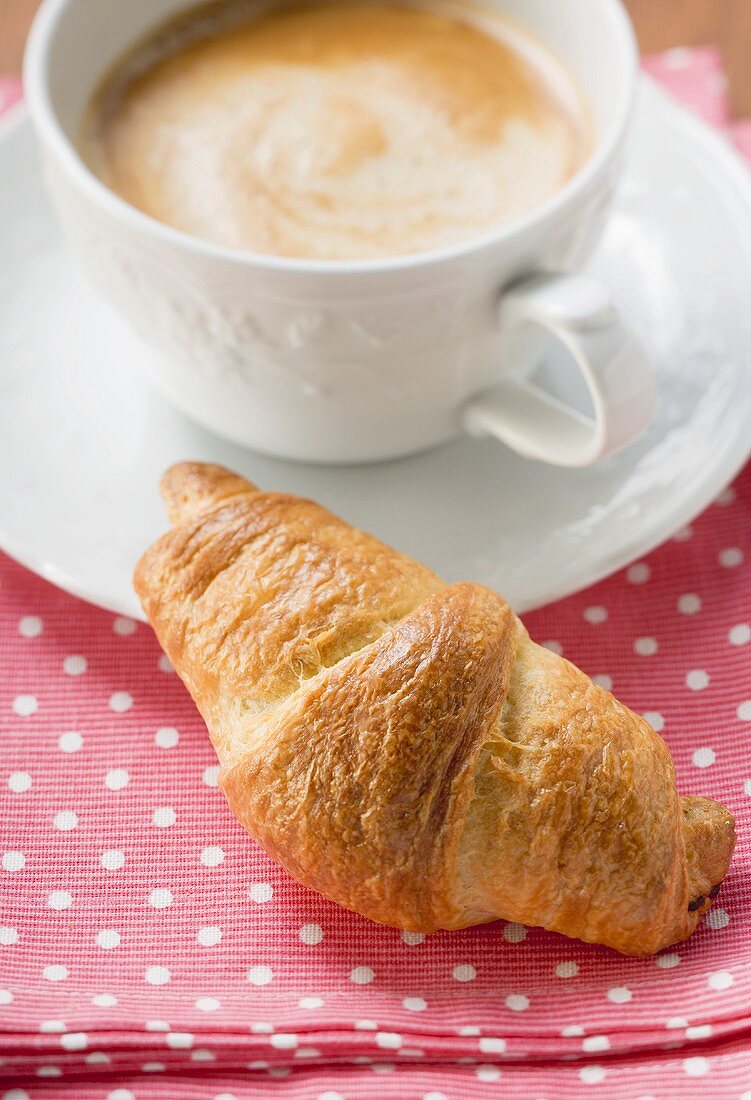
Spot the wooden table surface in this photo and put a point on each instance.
(659, 23)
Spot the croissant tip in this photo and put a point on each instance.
(188, 488)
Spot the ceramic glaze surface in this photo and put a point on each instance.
(86, 436)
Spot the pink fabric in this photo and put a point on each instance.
(148, 949)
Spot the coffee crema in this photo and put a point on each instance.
(338, 131)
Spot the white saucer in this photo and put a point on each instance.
(84, 438)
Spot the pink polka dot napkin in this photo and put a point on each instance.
(148, 949)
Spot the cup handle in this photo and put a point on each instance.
(580, 313)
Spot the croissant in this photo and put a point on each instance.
(402, 746)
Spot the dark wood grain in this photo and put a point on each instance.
(659, 23)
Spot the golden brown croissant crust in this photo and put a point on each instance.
(402, 746)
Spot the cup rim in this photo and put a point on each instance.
(44, 116)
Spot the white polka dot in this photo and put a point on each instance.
(554, 647)
(163, 817)
(366, 1025)
(744, 711)
(655, 719)
(211, 776)
(667, 962)
(731, 557)
(696, 1067)
(639, 573)
(202, 1055)
(434, 1096)
(415, 1004)
(13, 861)
(592, 1075)
(595, 1044)
(689, 604)
(488, 1073)
(164, 663)
(97, 1058)
(55, 973)
(49, 1071)
(413, 939)
(60, 899)
(645, 647)
(469, 1031)
(212, 856)
(619, 995)
(311, 934)
(74, 1040)
(30, 626)
(311, 1002)
(51, 1027)
(517, 1002)
(179, 1040)
(70, 742)
(260, 975)
(605, 682)
(25, 705)
(573, 1031)
(718, 918)
(740, 634)
(704, 758)
(208, 1004)
(388, 1040)
(684, 534)
(697, 679)
(120, 1094)
(6, 997)
(209, 937)
(568, 969)
(116, 779)
(107, 939)
(362, 975)
(262, 1029)
(167, 737)
(382, 1067)
(720, 980)
(161, 897)
(464, 973)
(701, 1031)
(153, 1067)
(112, 860)
(260, 892)
(75, 665)
(104, 1000)
(156, 1025)
(596, 615)
(65, 820)
(124, 627)
(676, 1022)
(514, 933)
(157, 975)
(283, 1041)
(120, 701)
(8, 936)
(338, 1096)
(19, 782)
(492, 1045)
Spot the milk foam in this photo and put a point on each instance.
(341, 131)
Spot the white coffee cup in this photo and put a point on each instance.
(360, 361)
